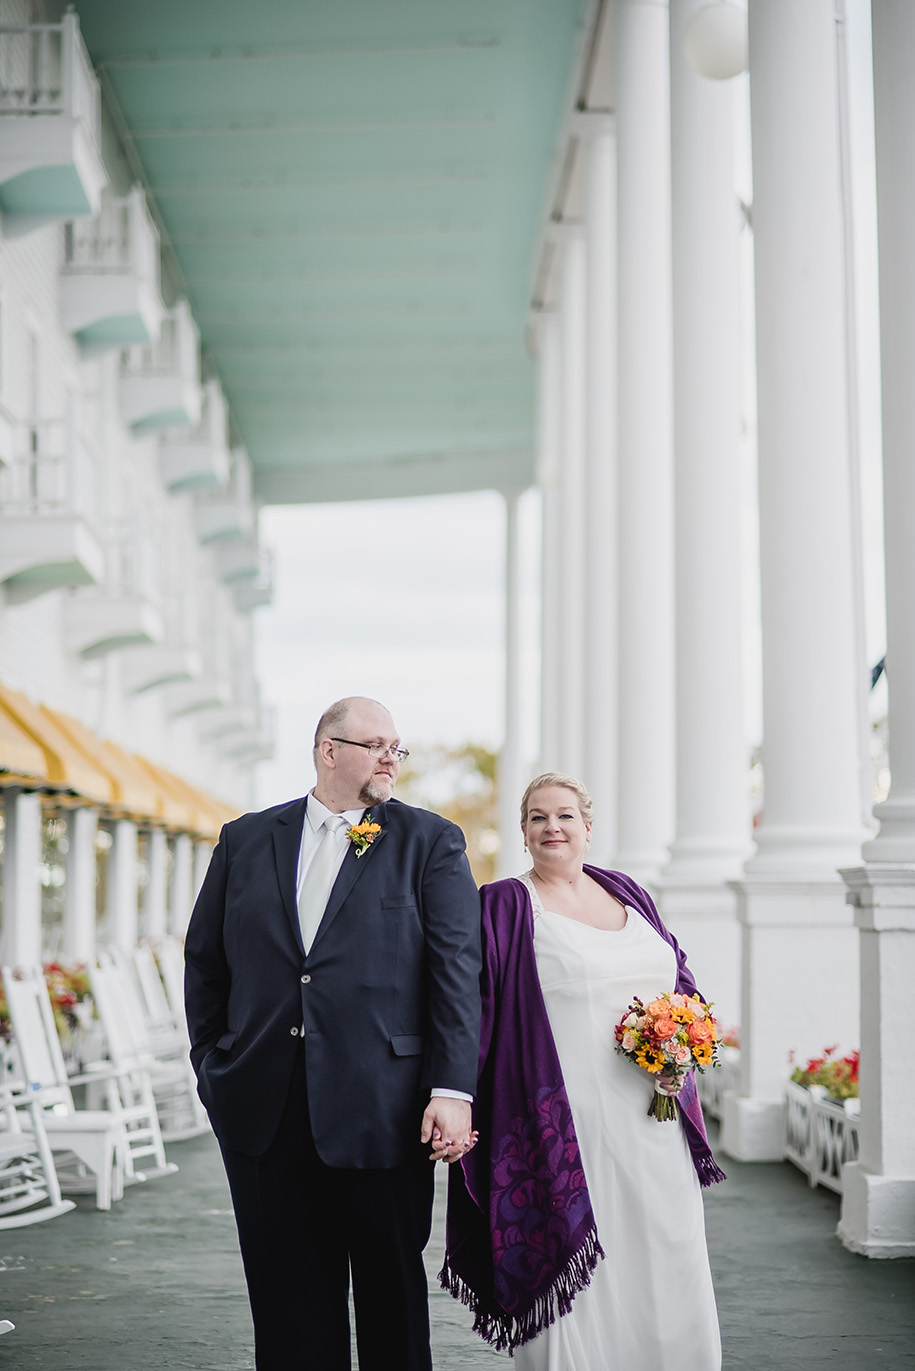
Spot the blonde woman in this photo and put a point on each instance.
(576, 1229)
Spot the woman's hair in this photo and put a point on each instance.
(585, 803)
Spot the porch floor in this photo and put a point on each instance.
(157, 1283)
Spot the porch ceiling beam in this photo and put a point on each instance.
(433, 473)
(237, 128)
(472, 43)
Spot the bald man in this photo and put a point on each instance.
(332, 987)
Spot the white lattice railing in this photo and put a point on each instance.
(718, 1080)
(821, 1133)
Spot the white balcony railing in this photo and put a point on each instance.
(57, 474)
(124, 608)
(50, 495)
(121, 237)
(45, 69)
(198, 457)
(227, 513)
(251, 594)
(50, 114)
(159, 383)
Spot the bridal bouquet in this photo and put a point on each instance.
(668, 1037)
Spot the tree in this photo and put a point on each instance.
(459, 783)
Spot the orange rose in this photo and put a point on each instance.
(658, 1009)
(700, 1031)
(664, 1029)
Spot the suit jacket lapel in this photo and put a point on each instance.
(287, 839)
(353, 868)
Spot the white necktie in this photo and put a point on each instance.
(317, 879)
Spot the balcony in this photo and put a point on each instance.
(124, 609)
(249, 594)
(50, 163)
(256, 743)
(49, 498)
(109, 285)
(199, 457)
(158, 665)
(238, 559)
(228, 513)
(210, 691)
(159, 385)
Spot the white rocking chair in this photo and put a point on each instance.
(106, 1142)
(29, 1188)
(131, 1045)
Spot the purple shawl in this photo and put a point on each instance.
(521, 1238)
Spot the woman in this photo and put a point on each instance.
(575, 1228)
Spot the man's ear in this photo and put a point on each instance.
(326, 753)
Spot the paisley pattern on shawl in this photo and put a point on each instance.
(538, 1201)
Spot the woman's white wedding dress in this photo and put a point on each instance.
(650, 1304)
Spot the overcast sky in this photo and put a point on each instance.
(401, 600)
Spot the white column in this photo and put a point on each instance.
(600, 531)
(792, 901)
(181, 891)
(511, 774)
(571, 501)
(546, 335)
(80, 887)
(155, 901)
(645, 480)
(123, 885)
(878, 1199)
(712, 803)
(21, 882)
(203, 851)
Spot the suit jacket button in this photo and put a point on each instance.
(294, 1032)
(306, 979)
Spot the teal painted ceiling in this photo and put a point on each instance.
(352, 192)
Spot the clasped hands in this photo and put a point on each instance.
(447, 1125)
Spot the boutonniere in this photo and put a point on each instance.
(363, 835)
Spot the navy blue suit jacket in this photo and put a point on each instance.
(388, 994)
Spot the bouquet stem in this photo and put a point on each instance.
(663, 1107)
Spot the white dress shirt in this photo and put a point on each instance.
(315, 815)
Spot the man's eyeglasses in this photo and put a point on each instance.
(400, 754)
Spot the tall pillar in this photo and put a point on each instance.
(712, 800)
(155, 902)
(548, 383)
(571, 501)
(878, 1198)
(80, 887)
(203, 851)
(511, 773)
(180, 895)
(645, 479)
(791, 900)
(600, 531)
(21, 942)
(123, 885)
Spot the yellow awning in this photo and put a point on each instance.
(132, 793)
(179, 814)
(20, 757)
(65, 766)
(211, 813)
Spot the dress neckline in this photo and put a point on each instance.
(539, 909)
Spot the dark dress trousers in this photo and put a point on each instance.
(320, 1131)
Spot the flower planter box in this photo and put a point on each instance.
(822, 1133)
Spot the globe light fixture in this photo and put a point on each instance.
(715, 40)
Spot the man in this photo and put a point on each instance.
(333, 1006)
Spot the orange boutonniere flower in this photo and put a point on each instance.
(363, 835)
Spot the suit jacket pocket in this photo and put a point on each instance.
(408, 1044)
(227, 1041)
